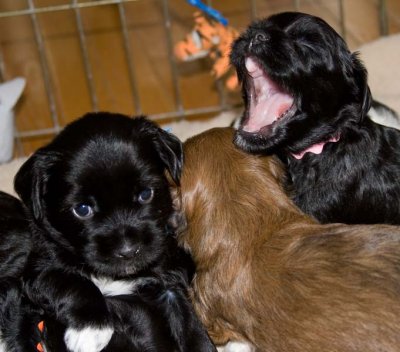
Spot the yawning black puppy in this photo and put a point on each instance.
(105, 267)
(307, 99)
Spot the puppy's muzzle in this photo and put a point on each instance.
(127, 251)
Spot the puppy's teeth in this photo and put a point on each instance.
(283, 114)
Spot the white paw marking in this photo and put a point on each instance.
(88, 339)
(234, 346)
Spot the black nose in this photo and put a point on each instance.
(259, 38)
(127, 251)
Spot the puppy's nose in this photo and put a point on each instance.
(127, 251)
(259, 38)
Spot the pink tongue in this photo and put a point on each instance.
(264, 113)
(267, 102)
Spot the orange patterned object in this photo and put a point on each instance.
(213, 39)
(40, 326)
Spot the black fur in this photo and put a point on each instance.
(354, 180)
(100, 204)
(17, 317)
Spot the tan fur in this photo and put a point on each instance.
(270, 275)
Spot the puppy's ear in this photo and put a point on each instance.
(177, 220)
(31, 179)
(170, 150)
(361, 77)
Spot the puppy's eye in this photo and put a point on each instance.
(146, 196)
(83, 211)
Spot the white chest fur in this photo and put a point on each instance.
(109, 287)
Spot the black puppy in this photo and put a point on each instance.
(307, 99)
(105, 267)
(17, 317)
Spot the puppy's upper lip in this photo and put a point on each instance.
(267, 101)
(253, 68)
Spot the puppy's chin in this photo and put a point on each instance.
(268, 139)
(255, 143)
(107, 260)
(116, 270)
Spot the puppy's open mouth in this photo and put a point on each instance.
(267, 103)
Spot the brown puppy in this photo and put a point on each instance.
(269, 275)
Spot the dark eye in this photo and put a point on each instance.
(83, 211)
(146, 196)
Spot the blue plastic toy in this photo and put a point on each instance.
(209, 11)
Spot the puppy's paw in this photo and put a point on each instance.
(88, 339)
(235, 346)
(3, 347)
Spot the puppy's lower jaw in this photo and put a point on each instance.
(235, 346)
(88, 339)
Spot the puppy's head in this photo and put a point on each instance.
(301, 84)
(230, 199)
(100, 193)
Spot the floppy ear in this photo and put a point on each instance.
(31, 179)
(361, 76)
(170, 150)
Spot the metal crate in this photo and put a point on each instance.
(32, 10)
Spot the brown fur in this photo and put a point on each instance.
(270, 275)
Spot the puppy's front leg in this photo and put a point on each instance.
(17, 320)
(76, 302)
(185, 326)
